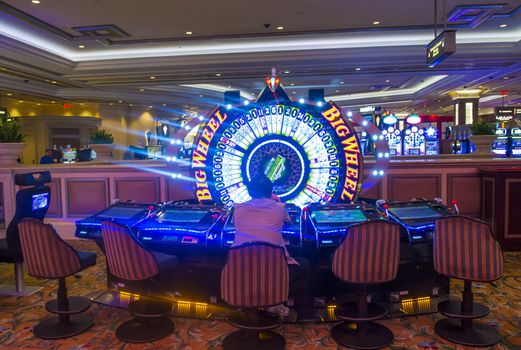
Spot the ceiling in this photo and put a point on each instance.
(331, 44)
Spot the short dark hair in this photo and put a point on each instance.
(48, 150)
(260, 187)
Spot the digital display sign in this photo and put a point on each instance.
(311, 153)
(504, 114)
(440, 48)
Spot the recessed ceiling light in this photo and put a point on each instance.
(387, 81)
(294, 92)
(20, 101)
(280, 27)
(376, 22)
(229, 86)
(200, 95)
(341, 82)
(112, 104)
(217, 74)
(131, 105)
(337, 90)
(292, 84)
(81, 46)
(81, 104)
(503, 26)
(505, 78)
(286, 72)
(53, 101)
(189, 33)
(53, 81)
(141, 90)
(152, 77)
(358, 68)
(9, 94)
(164, 105)
(35, 1)
(39, 104)
(120, 101)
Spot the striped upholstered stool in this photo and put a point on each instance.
(369, 254)
(464, 248)
(128, 260)
(255, 275)
(46, 255)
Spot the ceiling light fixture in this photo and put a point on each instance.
(189, 33)
(35, 1)
(152, 77)
(292, 84)
(376, 22)
(9, 94)
(120, 101)
(81, 46)
(164, 105)
(342, 82)
(286, 72)
(141, 90)
(217, 74)
(358, 68)
(503, 26)
(387, 81)
(280, 28)
(53, 82)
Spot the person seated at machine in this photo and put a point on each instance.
(261, 220)
(47, 158)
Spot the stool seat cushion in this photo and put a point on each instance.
(86, 259)
(165, 262)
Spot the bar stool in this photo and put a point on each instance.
(128, 260)
(255, 275)
(46, 255)
(369, 254)
(465, 249)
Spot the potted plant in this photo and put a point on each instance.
(483, 135)
(101, 142)
(11, 142)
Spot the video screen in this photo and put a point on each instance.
(338, 216)
(154, 152)
(414, 212)
(120, 212)
(182, 216)
(39, 201)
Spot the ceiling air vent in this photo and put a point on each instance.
(108, 31)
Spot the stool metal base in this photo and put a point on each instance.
(15, 291)
(369, 335)
(52, 328)
(77, 305)
(252, 340)
(145, 330)
(479, 335)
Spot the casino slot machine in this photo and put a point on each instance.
(393, 135)
(124, 213)
(176, 227)
(416, 277)
(500, 146)
(432, 143)
(515, 145)
(329, 223)
(414, 141)
(292, 232)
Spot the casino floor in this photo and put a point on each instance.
(19, 315)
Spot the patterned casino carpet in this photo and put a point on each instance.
(18, 315)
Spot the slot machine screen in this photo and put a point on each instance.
(414, 151)
(182, 216)
(338, 216)
(154, 152)
(39, 201)
(120, 212)
(414, 212)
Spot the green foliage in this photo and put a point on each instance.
(102, 136)
(10, 131)
(483, 128)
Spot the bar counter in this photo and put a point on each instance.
(81, 189)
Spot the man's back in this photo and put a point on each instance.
(259, 220)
